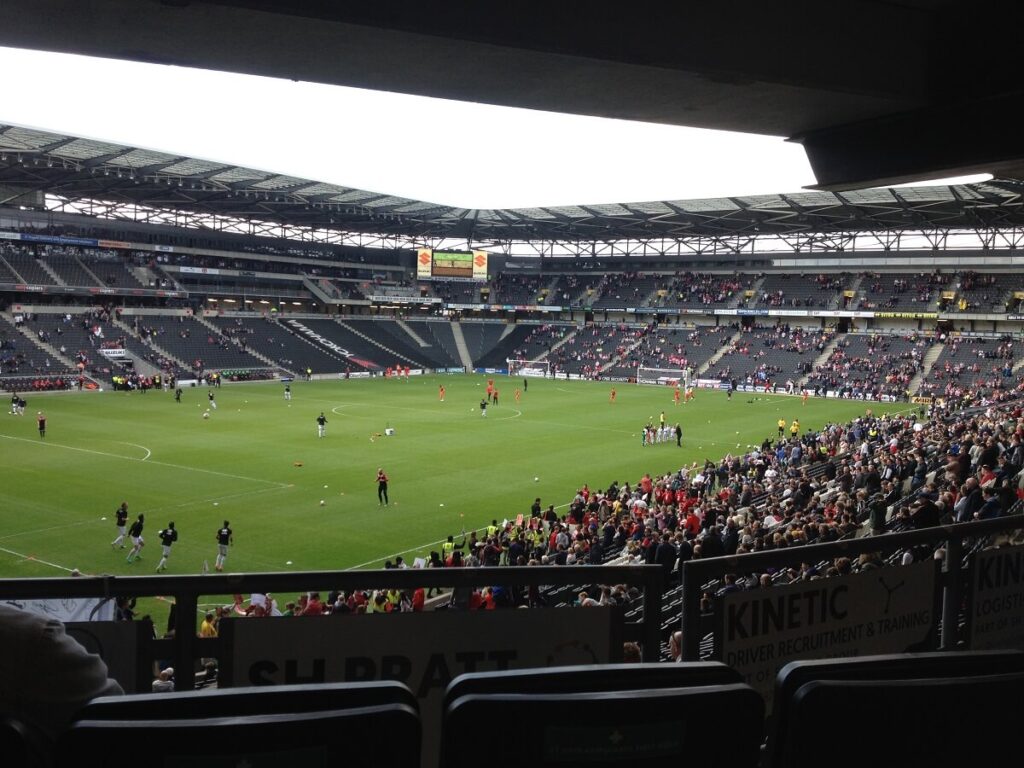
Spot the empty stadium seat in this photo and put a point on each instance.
(788, 710)
(939, 722)
(385, 735)
(590, 678)
(651, 727)
(249, 701)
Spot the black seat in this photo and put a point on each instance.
(636, 728)
(387, 735)
(939, 722)
(592, 678)
(249, 701)
(897, 666)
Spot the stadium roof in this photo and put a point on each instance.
(34, 161)
(877, 91)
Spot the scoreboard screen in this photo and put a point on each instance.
(451, 265)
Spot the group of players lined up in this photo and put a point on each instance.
(662, 433)
(169, 535)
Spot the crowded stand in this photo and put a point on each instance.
(971, 364)
(699, 290)
(674, 347)
(912, 292)
(769, 355)
(592, 348)
(871, 366)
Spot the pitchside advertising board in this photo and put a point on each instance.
(423, 650)
(885, 610)
(997, 599)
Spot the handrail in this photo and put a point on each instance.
(186, 589)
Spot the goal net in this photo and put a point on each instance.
(666, 376)
(518, 367)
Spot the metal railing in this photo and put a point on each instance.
(185, 647)
(697, 573)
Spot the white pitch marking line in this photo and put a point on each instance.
(136, 445)
(35, 559)
(44, 530)
(161, 463)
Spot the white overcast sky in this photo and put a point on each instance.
(448, 152)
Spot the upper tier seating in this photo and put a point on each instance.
(25, 264)
(575, 290)
(699, 290)
(785, 290)
(113, 272)
(988, 293)
(908, 292)
(518, 289)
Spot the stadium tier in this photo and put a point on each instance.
(441, 338)
(199, 347)
(788, 290)
(284, 346)
(974, 364)
(670, 347)
(490, 345)
(26, 266)
(592, 348)
(989, 293)
(696, 290)
(871, 365)
(389, 335)
(918, 292)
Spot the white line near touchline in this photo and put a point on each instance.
(131, 458)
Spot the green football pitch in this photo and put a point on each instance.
(257, 462)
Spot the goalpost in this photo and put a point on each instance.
(537, 368)
(664, 376)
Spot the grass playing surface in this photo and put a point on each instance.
(449, 468)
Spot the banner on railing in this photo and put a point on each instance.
(997, 599)
(884, 610)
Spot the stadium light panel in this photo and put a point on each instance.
(549, 159)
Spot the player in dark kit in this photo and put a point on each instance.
(135, 534)
(167, 537)
(121, 515)
(382, 486)
(41, 420)
(321, 425)
(225, 538)
(177, 395)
